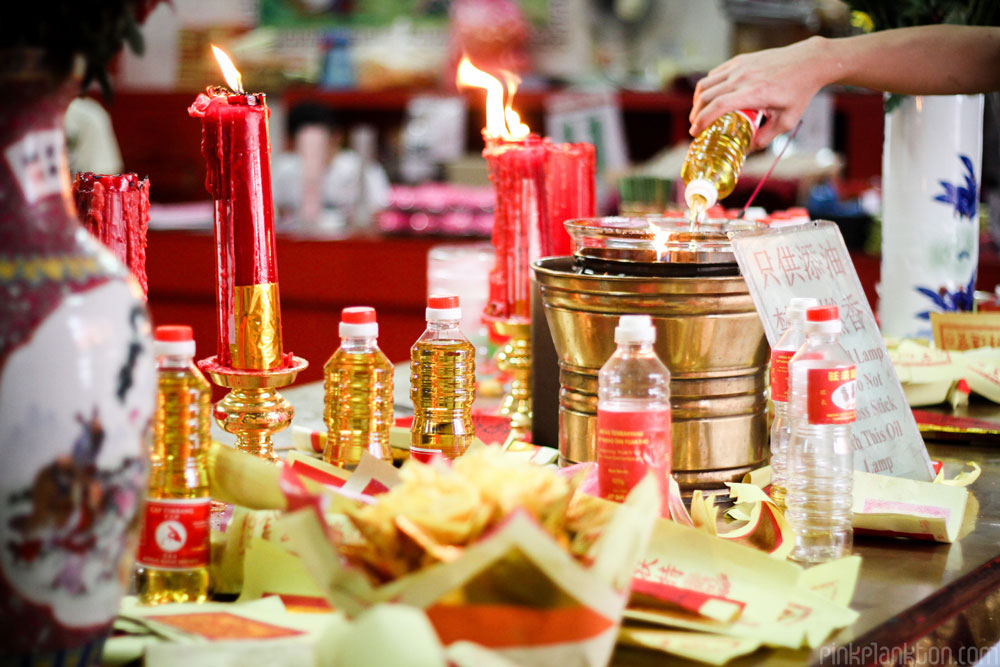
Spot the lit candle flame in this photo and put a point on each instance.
(501, 120)
(229, 71)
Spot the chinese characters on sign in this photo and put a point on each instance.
(812, 261)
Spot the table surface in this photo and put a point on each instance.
(931, 597)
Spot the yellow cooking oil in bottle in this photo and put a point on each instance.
(442, 383)
(357, 380)
(173, 558)
(715, 158)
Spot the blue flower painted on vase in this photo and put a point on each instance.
(961, 299)
(964, 199)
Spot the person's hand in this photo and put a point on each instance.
(780, 82)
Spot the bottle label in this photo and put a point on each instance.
(831, 395)
(423, 454)
(175, 534)
(629, 444)
(754, 116)
(779, 374)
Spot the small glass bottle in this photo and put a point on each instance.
(715, 158)
(442, 383)
(633, 412)
(358, 386)
(781, 353)
(823, 380)
(173, 558)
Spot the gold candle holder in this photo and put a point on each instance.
(253, 410)
(515, 360)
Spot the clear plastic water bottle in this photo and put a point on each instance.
(633, 412)
(781, 353)
(820, 461)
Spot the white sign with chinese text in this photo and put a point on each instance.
(811, 260)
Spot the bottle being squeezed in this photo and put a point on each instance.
(820, 459)
(781, 353)
(633, 412)
(442, 383)
(173, 558)
(358, 385)
(715, 158)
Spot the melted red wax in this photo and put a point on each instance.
(237, 154)
(539, 185)
(115, 210)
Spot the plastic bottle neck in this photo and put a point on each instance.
(821, 337)
(635, 348)
(444, 326)
(358, 343)
(176, 361)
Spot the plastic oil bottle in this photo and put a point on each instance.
(173, 558)
(781, 430)
(358, 383)
(633, 412)
(442, 383)
(820, 459)
(715, 158)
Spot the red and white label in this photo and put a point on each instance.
(424, 454)
(630, 444)
(175, 534)
(831, 395)
(779, 374)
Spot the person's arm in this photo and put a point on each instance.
(924, 60)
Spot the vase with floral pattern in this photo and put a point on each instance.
(77, 391)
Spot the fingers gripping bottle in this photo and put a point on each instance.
(173, 559)
(781, 353)
(633, 412)
(357, 380)
(715, 158)
(820, 460)
(442, 383)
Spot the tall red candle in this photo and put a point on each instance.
(237, 153)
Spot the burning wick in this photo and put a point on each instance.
(229, 71)
(501, 119)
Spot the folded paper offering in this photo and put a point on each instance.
(725, 588)
(929, 374)
(497, 551)
(883, 505)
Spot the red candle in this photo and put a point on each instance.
(570, 173)
(237, 153)
(115, 210)
(539, 186)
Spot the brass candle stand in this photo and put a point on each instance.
(515, 360)
(253, 410)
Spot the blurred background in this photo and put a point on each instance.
(376, 152)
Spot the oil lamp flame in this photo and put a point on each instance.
(501, 120)
(229, 71)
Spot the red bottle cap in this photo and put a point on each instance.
(441, 302)
(174, 333)
(358, 315)
(822, 314)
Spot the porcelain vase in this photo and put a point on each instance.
(930, 210)
(77, 392)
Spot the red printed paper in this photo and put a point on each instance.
(779, 374)
(831, 398)
(630, 443)
(175, 534)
